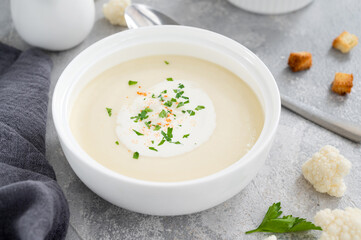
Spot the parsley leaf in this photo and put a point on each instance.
(186, 136)
(157, 127)
(163, 114)
(132, 82)
(152, 148)
(168, 103)
(191, 113)
(136, 155)
(272, 223)
(161, 142)
(181, 104)
(109, 110)
(170, 79)
(138, 133)
(199, 107)
(166, 62)
(116, 142)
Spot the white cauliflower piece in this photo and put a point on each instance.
(273, 237)
(114, 11)
(339, 224)
(325, 171)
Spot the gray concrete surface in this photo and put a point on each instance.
(271, 38)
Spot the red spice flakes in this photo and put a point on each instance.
(142, 93)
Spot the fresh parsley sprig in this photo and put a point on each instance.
(272, 223)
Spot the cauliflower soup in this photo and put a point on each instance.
(167, 118)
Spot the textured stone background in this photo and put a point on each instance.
(271, 38)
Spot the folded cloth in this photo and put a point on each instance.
(32, 205)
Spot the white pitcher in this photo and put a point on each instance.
(53, 24)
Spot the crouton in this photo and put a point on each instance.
(299, 61)
(342, 83)
(345, 42)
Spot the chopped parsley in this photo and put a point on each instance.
(157, 127)
(181, 104)
(186, 136)
(153, 96)
(109, 110)
(199, 107)
(142, 115)
(148, 124)
(170, 79)
(136, 155)
(138, 133)
(181, 86)
(161, 142)
(191, 112)
(165, 91)
(174, 100)
(130, 83)
(116, 142)
(179, 94)
(152, 148)
(163, 114)
(168, 103)
(166, 62)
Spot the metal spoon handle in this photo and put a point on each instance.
(339, 126)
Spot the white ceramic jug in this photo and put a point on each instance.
(53, 24)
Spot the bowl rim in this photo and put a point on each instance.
(82, 156)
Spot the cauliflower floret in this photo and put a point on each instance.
(325, 171)
(114, 11)
(339, 224)
(273, 237)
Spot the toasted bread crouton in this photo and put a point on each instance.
(342, 83)
(345, 42)
(299, 61)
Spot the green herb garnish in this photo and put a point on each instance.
(152, 148)
(168, 103)
(130, 83)
(177, 142)
(191, 113)
(186, 136)
(136, 155)
(199, 107)
(169, 79)
(163, 114)
(109, 110)
(272, 223)
(161, 142)
(138, 133)
(165, 91)
(157, 127)
(174, 100)
(179, 94)
(181, 104)
(166, 62)
(142, 115)
(181, 86)
(153, 96)
(148, 124)
(116, 142)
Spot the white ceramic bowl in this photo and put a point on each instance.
(271, 6)
(162, 198)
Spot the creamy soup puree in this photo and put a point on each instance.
(166, 118)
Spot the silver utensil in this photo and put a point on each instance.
(139, 15)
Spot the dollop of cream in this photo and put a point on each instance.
(184, 127)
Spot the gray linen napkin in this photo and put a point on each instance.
(32, 205)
